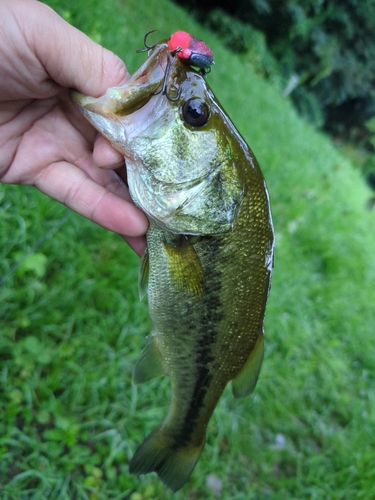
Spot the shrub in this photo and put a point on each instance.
(327, 44)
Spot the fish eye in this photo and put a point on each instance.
(195, 112)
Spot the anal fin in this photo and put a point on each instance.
(246, 380)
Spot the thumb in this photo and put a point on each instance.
(70, 57)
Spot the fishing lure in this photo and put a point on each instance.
(191, 50)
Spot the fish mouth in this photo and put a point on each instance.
(106, 113)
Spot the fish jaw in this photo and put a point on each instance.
(105, 121)
(107, 113)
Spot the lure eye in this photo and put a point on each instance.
(195, 112)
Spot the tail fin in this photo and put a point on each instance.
(159, 453)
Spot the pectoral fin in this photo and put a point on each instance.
(185, 268)
(246, 380)
(149, 364)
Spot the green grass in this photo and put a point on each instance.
(72, 326)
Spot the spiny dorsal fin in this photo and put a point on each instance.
(246, 380)
(149, 364)
(143, 273)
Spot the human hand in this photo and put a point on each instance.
(44, 140)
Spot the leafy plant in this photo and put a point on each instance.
(327, 46)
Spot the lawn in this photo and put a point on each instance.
(72, 326)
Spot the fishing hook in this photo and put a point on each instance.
(164, 89)
(147, 47)
(204, 71)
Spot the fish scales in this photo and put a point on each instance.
(209, 255)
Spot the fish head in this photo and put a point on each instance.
(182, 153)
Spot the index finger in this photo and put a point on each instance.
(71, 186)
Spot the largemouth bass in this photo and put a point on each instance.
(209, 256)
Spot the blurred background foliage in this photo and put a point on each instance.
(321, 52)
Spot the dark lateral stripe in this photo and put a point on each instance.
(208, 335)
